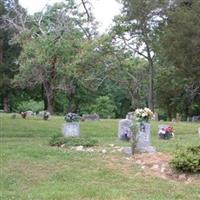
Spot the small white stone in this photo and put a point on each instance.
(62, 146)
(103, 151)
(162, 169)
(182, 177)
(138, 162)
(111, 145)
(143, 167)
(90, 150)
(120, 149)
(79, 148)
(155, 167)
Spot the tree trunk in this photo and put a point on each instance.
(43, 95)
(6, 103)
(72, 103)
(1, 51)
(151, 78)
(49, 95)
(151, 86)
(50, 101)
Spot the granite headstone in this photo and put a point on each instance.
(124, 129)
(143, 139)
(71, 129)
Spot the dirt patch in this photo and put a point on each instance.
(158, 165)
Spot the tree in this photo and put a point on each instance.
(46, 58)
(181, 30)
(9, 53)
(178, 52)
(135, 28)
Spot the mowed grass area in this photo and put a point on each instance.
(31, 169)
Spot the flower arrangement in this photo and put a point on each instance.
(143, 114)
(166, 132)
(71, 117)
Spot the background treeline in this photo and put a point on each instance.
(56, 60)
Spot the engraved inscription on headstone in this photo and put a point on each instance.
(71, 129)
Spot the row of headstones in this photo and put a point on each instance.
(27, 114)
(124, 132)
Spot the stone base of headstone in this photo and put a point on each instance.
(143, 139)
(71, 129)
(149, 149)
(124, 129)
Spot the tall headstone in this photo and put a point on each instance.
(124, 129)
(71, 129)
(144, 139)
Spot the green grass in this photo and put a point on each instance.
(31, 169)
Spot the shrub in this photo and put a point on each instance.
(32, 105)
(187, 159)
(104, 107)
(72, 141)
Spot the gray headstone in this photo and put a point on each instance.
(155, 116)
(130, 115)
(29, 113)
(196, 118)
(143, 139)
(199, 131)
(124, 129)
(71, 129)
(90, 117)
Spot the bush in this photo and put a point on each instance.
(187, 159)
(104, 107)
(32, 105)
(72, 141)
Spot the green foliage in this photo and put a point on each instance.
(58, 140)
(187, 159)
(32, 105)
(104, 107)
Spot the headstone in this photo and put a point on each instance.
(44, 115)
(199, 131)
(23, 114)
(155, 116)
(29, 113)
(189, 119)
(91, 117)
(124, 129)
(196, 118)
(143, 139)
(71, 129)
(129, 115)
(178, 117)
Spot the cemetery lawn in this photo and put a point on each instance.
(33, 170)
